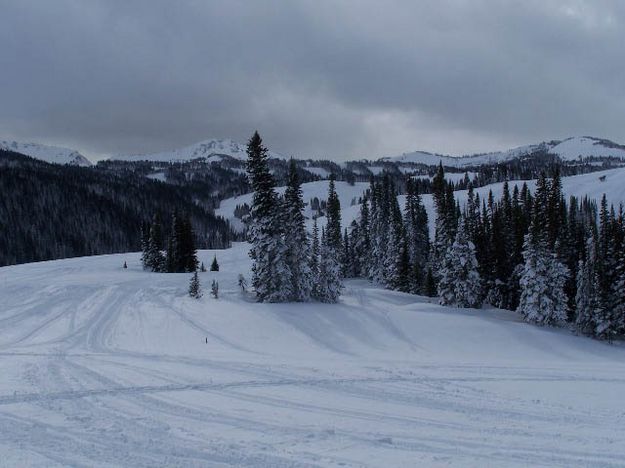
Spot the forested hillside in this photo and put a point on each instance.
(50, 211)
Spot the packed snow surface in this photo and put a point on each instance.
(51, 154)
(105, 366)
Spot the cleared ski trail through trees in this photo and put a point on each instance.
(102, 366)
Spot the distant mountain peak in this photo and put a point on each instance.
(210, 149)
(51, 154)
(569, 149)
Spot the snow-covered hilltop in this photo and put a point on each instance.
(570, 149)
(51, 154)
(209, 150)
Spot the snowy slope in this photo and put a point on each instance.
(589, 185)
(570, 149)
(211, 150)
(51, 154)
(103, 366)
(346, 193)
(430, 159)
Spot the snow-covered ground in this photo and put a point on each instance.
(103, 366)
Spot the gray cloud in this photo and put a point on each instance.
(328, 79)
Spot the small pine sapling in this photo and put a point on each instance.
(215, 265)
(242, 283)
(125, 265)
(195, 290)
(215, 289)
(202, 268)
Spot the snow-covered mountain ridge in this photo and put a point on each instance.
(51, 154)
(214, 150)
(570, 149)
(209, 150)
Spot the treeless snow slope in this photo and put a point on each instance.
(103, 366)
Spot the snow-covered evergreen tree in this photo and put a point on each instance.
(195, 290)
(328, 282)
(271, 276)
(460, 283)
(378, 237)
(395, 267)
(442, 194)
(618, 293)
(361, 241)
(315, 252)
(214, 264)
(542, 281)
(417, 237)
(153, 258)
(296, 238)
(333, 215)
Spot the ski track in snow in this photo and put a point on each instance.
(109, 367)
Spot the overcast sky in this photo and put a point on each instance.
(336, 79)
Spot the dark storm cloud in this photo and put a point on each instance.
(336, 79)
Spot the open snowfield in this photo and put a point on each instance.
(102, 366)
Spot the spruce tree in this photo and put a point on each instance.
(333, 226)
(429, 286)
(153, 258)
(296, 238)
(378, 232)
(195, 290)
(542, 281)
(362, 242)
(271, 276)
(442, 194)
(214, 264)
(145, 245)
(587, 304)
(460, 284)
(188, 254)
(395, 274)
(315, 252)
(328, 281)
